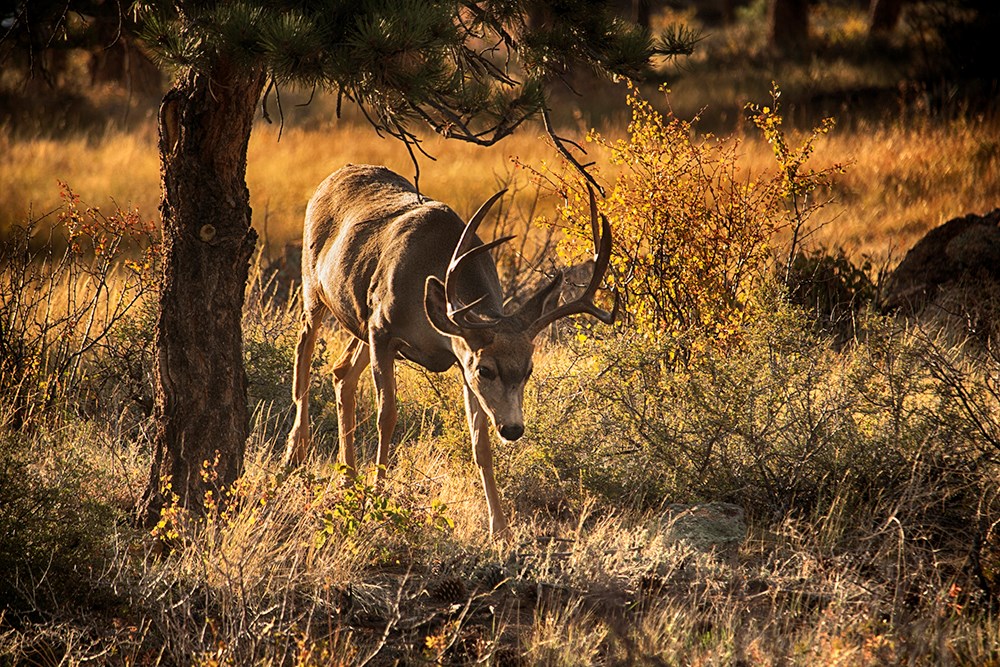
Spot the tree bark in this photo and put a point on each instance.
(641, 12)
(788, 24)
(883, 16)
(202, 417)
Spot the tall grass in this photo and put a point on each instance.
(901, 180)
(862, 470)
(866, 486)
(282, 174)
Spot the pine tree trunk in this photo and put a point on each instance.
(201, 400)
(883, 16)
(641, 12)
(788, 24)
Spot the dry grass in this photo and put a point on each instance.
(867, 475)
(279, 577)
(591, 589)
(900, 181)
(282, 175)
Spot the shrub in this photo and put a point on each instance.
(832, 289)
(62, 489)
(777, 422)
(271, 325)
(694, 232)
(279, 558)
(796, 183)
(60, 304)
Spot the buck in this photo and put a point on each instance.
(407, 278)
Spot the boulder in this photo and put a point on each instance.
(962, 252)
(715, 527)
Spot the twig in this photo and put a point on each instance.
(558, 142)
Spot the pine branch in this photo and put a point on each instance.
(473, 71)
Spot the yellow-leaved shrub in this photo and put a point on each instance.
(694, 231)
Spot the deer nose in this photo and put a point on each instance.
(511, 431)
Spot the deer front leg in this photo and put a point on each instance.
(297, 447)
(383, 353)
(479, 429)
(346, 374)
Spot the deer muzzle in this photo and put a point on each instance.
(511, 432)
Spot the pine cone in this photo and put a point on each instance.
(449, 589)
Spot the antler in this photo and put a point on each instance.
(461, 315)
(585, 304)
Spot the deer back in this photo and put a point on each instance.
(369, 244)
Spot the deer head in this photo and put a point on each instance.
(495, 349)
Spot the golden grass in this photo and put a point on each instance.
(120, 166)
(899, 183)
(581, 580)
(282, 175)
(584, 580)
(902, 182)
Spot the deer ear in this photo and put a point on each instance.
(542, 301)
(436, 306)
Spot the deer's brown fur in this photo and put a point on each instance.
(406, 277)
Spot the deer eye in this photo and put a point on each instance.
(487, 373)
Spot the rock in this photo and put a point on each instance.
(962, 251)
(718, 528)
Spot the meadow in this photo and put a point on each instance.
(773, 476)
(903, 178)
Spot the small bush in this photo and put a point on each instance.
(779, 422)
(63, 488)
(833, 289)
(277, 559)
(270, 332)
(61, 304)
(694, 232)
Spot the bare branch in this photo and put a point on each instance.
(559, 143)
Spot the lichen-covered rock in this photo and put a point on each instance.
(718, 528)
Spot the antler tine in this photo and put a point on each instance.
(478, 250)
(603, 242)
(460, 315)
(464, 251)
(602, 258)
(469, 233)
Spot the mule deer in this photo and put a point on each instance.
(407, 278)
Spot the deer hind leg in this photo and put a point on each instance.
(479, 429)
(297, 447)
(383, 354)
(346, 373)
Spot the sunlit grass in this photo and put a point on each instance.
(589, 572)
(120, 166)
(900, 180)
(863, 478)
(282, 175)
